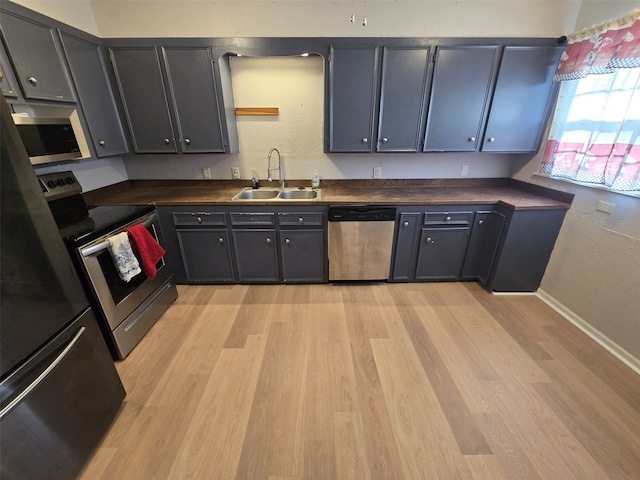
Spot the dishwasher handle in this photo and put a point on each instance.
(362, 213)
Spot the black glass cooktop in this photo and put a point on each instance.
(85, 225)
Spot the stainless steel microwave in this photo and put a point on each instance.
(48, 139)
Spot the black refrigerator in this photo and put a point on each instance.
(59, 389)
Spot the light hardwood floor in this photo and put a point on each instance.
(376, 381)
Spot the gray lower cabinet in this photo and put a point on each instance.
(206, 255)
(302, 253)
(198, 244)
(441, 253)
(256, 255)
(525, 249)
(95, 94)
(483, 245)
(37, 58)
(405, 249)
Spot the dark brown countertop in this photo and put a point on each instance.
(512, 193)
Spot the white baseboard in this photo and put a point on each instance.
(612, 347)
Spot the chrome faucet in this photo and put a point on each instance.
(279, 169)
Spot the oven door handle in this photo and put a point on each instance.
(98, 247)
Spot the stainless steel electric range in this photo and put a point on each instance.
(125, 310)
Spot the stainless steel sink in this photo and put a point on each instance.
(251, 194)
(298, 194)
(277, 194)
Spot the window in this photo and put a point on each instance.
(595, 133)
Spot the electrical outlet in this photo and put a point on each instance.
(235, 173)
(605, 207)
(206, 172)
(465, 171)
(377, 172)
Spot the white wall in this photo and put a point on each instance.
(594, 271)
(309, 18)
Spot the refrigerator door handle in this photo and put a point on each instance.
(16, 401)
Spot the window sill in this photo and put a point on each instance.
(588, 185)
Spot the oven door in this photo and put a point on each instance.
(117, 298)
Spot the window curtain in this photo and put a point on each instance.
(595, 134)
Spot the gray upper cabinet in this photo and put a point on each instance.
(353, 78)
(192, 87)
(522, 100)
(37, 58)
(402, 98)
(144, 98)
(459, 97)
(95, 95)
(170, 97)
(8, 81)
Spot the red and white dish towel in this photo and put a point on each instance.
(135, 251)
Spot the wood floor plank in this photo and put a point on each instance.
(350, 447)
(271, 446)
(369, 381)
(469, 437)
(212, 443)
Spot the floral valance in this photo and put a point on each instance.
(602, 48)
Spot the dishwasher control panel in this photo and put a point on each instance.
(361, 213)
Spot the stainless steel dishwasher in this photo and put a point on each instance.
(360, 242)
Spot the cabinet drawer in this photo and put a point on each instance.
(301, 218)
(198, 218)
(252, 218)
(448, 218)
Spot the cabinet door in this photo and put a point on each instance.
(404, 251)
(483, 244)
(192, 86)
(402, 98)
(256, 255)
(441, 253)
(522, 100)
(303, 259)
(37, 58)
(144, 98)
(353, 77)
(8, 81)
(206, 255)
(459, 97)
(96, 96)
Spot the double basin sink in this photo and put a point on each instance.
(277, 194)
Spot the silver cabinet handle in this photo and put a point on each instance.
(300, 220)
(199, 219)
(101, 143)
(472, 139)
(187, 141)
(16, 401)
(287, 241)
(491, 140)
(220, 240)
(406, 224)
(167, 141)
(448, 219)
(480, 222)
(268, 240)
(385, 139)
(365, 140)
(33, 81)
(430, 240)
